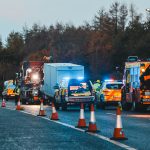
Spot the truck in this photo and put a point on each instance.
(64, 84)
(31, 75)
(136, 88)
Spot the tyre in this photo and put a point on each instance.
(23, 101)
(64, 106)
(126, 106)
(101, 104)
(57, 106)
(98, 105)
(89, 107)
(138, 107)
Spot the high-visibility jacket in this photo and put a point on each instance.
(96, 87)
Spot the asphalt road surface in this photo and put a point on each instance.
(24, 130)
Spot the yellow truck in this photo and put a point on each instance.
(136, 89)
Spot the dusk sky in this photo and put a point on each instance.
(14, 14)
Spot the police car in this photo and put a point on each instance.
(110, 93)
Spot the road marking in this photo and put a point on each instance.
(139, 116)
(9, 108)
(93, 134)
(81, 130)
(111, 114)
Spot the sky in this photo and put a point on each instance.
(14, 14)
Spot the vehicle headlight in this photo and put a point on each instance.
(35, 77)
(35, 92)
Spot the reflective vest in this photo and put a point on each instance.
(96, 87)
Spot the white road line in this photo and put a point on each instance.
(9, 108)
(111, 114)
(81, 130)
(94, 134)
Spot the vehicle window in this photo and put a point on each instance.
(11, 86)
(114, 86)
(79, 89)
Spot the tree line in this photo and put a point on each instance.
(101, 46)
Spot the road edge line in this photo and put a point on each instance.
(81, 130)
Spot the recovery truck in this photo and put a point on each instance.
(63, 83)
(136, 80)
(31, 77)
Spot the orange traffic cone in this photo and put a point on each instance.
(54, 115)
(81, 122)
(118, 132)
(18, 107)
(42, 111)
(3, 103)
(92, 124)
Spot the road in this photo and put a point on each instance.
(136, 127)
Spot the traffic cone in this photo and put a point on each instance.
(3, 103)
(54, 115)
(81, 122)
(118, 131)
(19, 107)
(92, 124)
(42, 111)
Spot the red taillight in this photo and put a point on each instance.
(106, 91)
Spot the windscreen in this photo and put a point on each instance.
(79, 89)
(114, 86)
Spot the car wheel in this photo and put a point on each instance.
(126, 106)
(57, 106)
(64, 106)
(102, 103)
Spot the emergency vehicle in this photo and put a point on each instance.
(31, 78)
(9, 90)
(110, 93)
(136, 89)
(64, 83)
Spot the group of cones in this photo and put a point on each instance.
(18, 106)
(118, 131)
(82, 123)
(54, 115)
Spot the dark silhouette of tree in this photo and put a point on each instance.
(100, 46)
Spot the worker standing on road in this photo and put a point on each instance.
(97, 86)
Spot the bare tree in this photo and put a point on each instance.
(123, 12)
(114, 13)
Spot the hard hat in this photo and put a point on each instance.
(98, 81)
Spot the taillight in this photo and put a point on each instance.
(106, 91)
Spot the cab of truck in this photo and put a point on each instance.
(110, 93)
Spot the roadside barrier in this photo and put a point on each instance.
(19, 107)
(54, 115)
(81, 122)
(41, 111)
(92, 124)
(3, 103)
(118, 131)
